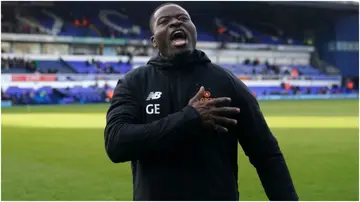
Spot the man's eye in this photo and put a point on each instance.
(163, 21)
(183, 18)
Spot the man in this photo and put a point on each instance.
(177, 119)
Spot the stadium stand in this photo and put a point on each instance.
(99, 21)
(98, 67)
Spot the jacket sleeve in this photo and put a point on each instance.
(127, 138)
(262, 148)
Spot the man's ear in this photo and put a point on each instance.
(153, 41)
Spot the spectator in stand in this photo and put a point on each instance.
(28, 67)
(275, 68)
(335, 89)
(23, 61)
(106, 86)
(282, 85)
(294, 72)
(296, 90)
(123, 50)
(286, 87)
(256, 62)
(24, 98)
(107, 93)
(349, 86)
(14, 61)
(247, 61)
(110, 94)
(287, 72)
(285, 69)
(129, 62)
(5, 67)
(109, 69)
(130, 56)
(10, 62)
(267, 64)
(98, 67)
(4, 96)
(31, 66)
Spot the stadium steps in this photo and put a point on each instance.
(45, 66)
(68, 66)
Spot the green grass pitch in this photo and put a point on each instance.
(57, 152)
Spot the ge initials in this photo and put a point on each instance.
(153, 109)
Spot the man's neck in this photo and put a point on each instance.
(177, 56)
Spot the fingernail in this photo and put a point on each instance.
(237, 109)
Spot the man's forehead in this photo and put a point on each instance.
(169, 10)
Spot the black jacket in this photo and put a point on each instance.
(150, 124)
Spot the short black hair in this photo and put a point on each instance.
(153, 13)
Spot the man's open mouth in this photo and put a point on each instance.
(178, 38)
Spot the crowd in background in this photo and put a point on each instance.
(34, 96)
(275, 69)
(108, 68)
(29, 65)
(287, 89)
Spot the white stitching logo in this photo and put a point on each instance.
(154, 95)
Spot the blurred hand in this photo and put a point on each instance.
(214, 113)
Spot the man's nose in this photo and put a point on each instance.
(175, 23)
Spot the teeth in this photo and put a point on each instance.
(180, 42)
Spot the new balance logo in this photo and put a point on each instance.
(154, 96)
(153, 108)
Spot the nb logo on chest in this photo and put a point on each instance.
(153, 108)
(154, 96)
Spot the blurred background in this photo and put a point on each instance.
(60, 62)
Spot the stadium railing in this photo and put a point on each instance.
(69, 80)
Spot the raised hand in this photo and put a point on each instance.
(214, 113)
